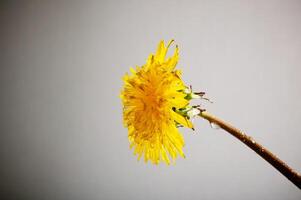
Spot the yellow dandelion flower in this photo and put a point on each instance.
(155, 102)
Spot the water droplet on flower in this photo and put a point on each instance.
(214, 125)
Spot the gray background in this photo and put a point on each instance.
(61, 123)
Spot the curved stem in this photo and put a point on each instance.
(281, 166)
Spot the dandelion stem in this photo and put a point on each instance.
(281, 166)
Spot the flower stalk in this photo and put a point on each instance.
(281, 166)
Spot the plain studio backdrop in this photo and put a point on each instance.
(61, 118)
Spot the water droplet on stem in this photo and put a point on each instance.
(214, 125)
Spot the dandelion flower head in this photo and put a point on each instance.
(155, 103)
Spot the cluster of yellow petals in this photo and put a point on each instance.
(150, 97)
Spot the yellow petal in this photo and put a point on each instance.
(179, 102)
(132, 70)
(161, 52)
(172, 61)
